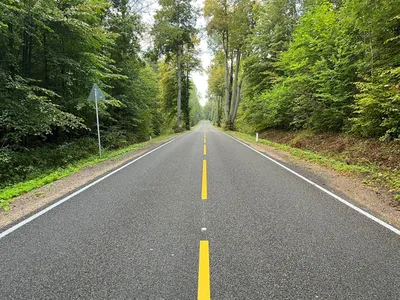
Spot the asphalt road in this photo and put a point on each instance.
(265, 234)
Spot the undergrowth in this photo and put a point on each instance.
(372, 173)
(47, 165)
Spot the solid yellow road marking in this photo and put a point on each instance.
(204, 181)
(203, 291)
(205, 150)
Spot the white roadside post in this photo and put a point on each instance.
(256, 136)
(95, 95)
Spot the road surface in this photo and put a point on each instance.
(203, 216)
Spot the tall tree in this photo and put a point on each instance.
(228, 24)
(216, 88)
(174, 27)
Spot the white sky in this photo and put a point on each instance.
(199, 78)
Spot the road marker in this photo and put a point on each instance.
(205, 150)
(31, 218)
(203, 290)
(204, 181)
(356, 208)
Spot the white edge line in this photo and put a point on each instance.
(33, 217)
(361, 211)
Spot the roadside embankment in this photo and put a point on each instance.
(25, 197)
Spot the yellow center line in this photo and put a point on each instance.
(204, 181)
(205, 149)
(203, 291)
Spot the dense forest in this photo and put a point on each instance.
(324, 66)
(53, 51)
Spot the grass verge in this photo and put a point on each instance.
(372, 174)
(9, 193)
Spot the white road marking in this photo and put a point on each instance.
(361, 211)
(33, 217)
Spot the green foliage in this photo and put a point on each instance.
(196, 110)
(377, 106)
(51, 54)
(174, 34)
(270, 109)
(275, 21)
(174, 25)
(324, 66)
(45, 165)
(318, 63)
(377, 109)
(216, 86)
(372, 174)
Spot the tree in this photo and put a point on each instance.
(375, 29)
(274, 26)
(190, 62)
(229, 22)
(324, 66)
(216, 88)
(51, 54)
(196, 110)
(174, 27)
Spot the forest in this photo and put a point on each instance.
(323, 66)
(290, 65)
(51, 54)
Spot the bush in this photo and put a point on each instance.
(25, 164)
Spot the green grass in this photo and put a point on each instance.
(8, 193)
(372, 174)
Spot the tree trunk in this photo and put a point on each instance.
(45, 63)
(227, 95)
(11, 48)
(178, 117)
(235, 87)
(30, 49)
(219, 110)
(230, 91)
(25, 46)
(187, 95)
(237, 102)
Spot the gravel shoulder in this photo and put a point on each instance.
(376, 200)
(27, 204)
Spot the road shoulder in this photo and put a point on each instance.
(375, 200)
(32, 202)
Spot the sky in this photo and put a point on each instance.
(199, 78)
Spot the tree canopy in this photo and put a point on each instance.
(318, 65)
(51, 54)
